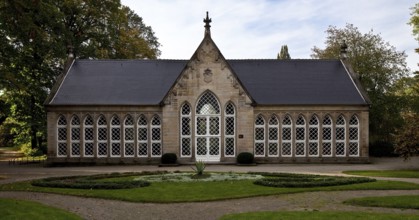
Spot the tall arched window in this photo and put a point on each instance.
(260, 136)
(286, 136)
(88, 136)
(300, 136)
(354, 136)
(313, 136)
(61, 136)
(327, 136)
(102, 137)
(273, 133)
(142, 136)
(156, 149)
(229, 130)
(75, 136)
(185, 131)
(340, 136)
(129, 136)
(207, 129)
(115, 137)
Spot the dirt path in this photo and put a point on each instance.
(90, 208)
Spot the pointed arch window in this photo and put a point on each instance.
(75, 136)
(286, 150)
(354, 136)
(230, 131)
(273, 139)
(208, 105)
(185, 129)
(142, 137)
(300, 137)
(115, 136)
(313, 136)
(340, 136)
(102, 137)
(327, 136)
(129, 149)
(156, 149)
(260, 136)
(61, 136)
(88, 136)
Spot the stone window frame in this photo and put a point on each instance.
(75, 136)
(142, 126)
(104, 141)
(128, 128)
(339, 126)
(284, 141)
(61, 142)
(354, 141)
(227, 123)
(156, 140)
(115, 130)
(85, 141)
(185, 133)
(326, 141)
(259, 126)
(316, 141)
(300, 130)
(273, 124)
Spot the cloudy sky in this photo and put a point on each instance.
(250, 29)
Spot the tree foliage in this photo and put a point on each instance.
(407, 138)
(379, 66)
(283, 54)
(34, 39)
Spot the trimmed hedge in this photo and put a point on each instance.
(91, 182)
(245, 158)
(169, 158)
(303, 181)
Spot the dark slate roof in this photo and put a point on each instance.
(299, 82)
(118, 82)
(268, 82)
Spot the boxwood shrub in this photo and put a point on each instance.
(245, 158)
(169, 158)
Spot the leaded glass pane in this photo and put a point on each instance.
(155, 134)
(229, 124)
(186, 147)
(156, 149)
(260, 120)
(75, 120)
(186, 109)
(340, 121)
(186, 126)
(340, 149)
(260, 133)
(142, 120)
(88, 149)
(214, 148)
(286, 133)
(101, 120)
(88, 120)
(313, 133)
(300, 133)
(354, 120)
(314, 121)
(327, 133)
(102, 149)
(327, 121)
(75, 149)
(300, 120)
(313, 148)
(273, 133)
(75, 134)
(201, 148)
(259, 149)
(353, 149)
(62, 134)
(155, 121)
(229, 109)
(229, 146)
(129, 149)
(129, 120)
(273, 149)
(62, 121)
(327, 149)
(286, 149)
(88, 133)
(340, 133)
(116, 134)
(201, 126)
(273, 121)
(142, 149)
(300, 149)
(142, 134)
(214, 125)
(102, 134)
(353, 133)
(287, 120)
(115, 121)
(116, 149)
(207, 105)
(62, 149)
(129, 134)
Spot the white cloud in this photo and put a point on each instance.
(257, 29)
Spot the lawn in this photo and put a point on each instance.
(20, 209)
(402, 202)
(200, 191)
(385, 173)
(313, 215)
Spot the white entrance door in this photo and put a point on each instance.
(207, 137)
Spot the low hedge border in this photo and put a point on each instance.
(91, 182)
(305, 181)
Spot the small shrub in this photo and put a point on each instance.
(169, 158)
(382, 149)
(199, 168)
(245, 158)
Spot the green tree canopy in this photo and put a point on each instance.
(283, 54)
(34, 39)
(379, 66)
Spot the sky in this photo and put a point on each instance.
(256, 29)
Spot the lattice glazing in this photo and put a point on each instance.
(75, 134)
(101, 120)
(208, 105)
(186, 126)
(116, 149)
(142, 134)
(353, 133)
(62, 134)
(88, 133)
(115, 121)
(75, 120)
(129, 149)
(259, 149)
(340, 133)
(155, 121)
(314, 121)
(286, 121)
(201, 146)
(300, 149)
(186, 147)
(353, 149)
(201, 125)
(259, 121)
(155, 134)
(142, 121)
(273, 121)
(300, 133)
(62, 121)
(75, 149)
(229, 146)
(229, 125)
(327, 120)
(353, 120)
(313, 148)
(142, 149)
(129, 121)
(102, 134)
(116, 134)
(102, 149)
(327, 149)
(273, 133)
(259, 133)
(88, 149)
(186, 109)
(62, 149)
(156, 149)
(286, 133)
(340, 149)
(286, 149)
(214, 125)
(327, 133)
(340, 121)
(214, 148)
(129, 134)
(313, 133)
(273, 149)
(88, 121)
(229, 109)
(300, 120)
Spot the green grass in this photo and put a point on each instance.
(385, 173)
(302, 215)
(402, 202)
(165, 192)
(20, 209)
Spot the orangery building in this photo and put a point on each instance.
(207, 108)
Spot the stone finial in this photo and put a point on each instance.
(343, 50)
(207, 26)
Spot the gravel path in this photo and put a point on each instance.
(91, 208)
